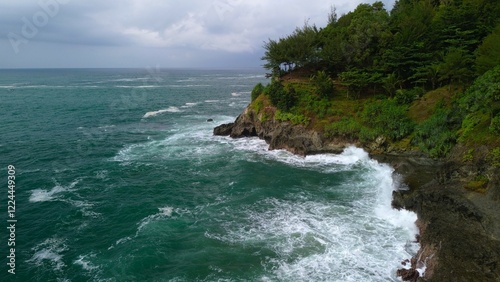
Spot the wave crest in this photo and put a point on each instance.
(168, 110)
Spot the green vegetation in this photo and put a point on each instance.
(324, 84)
(494, 157)
(436, 135)
(387, 118)
(257, 90)
(424, 76)
(293, 118)
(480, 104)
(479, 184)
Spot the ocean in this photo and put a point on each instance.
(118, 177)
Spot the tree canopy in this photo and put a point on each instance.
(424, 43)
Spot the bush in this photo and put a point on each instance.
(494, 157)
(388, 119)
(405, 97)
(324, 84)
(436, 136)
(346, 127)
(283, 99)
(495, 125)
(293, 118)
(257, 90)
(479, 184)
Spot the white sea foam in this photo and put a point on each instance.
(194, 141)
(85, 207)
(327, 241)
(163, 213)
(212, 101)
(189, 85)
(85, 263)
(168, 110)
(189, 105)
(102, 174)
(49, 251)
(138, 86)
(42, 195)
(129, 79)
(59, 192)
(364, 240)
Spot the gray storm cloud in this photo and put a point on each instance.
(135, 33)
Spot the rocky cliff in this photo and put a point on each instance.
(459, 229)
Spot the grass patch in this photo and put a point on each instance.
(494, 157)
(293, 118)
(478, 185)
(423, 108)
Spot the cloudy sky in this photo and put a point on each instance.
(140, 33)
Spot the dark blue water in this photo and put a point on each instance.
(118, 178)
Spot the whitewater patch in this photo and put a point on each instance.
(42, 195)
(238, 94)
(49, 252)
(163, 213)
(138, 86)
(155, 113)
(327, 163)
(193, 141)
(57, 194)
(189, 105)
(85, 263)
(364, 240)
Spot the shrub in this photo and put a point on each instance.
(293, 118)
(479, 184)
(257, 90)
(324, 84)
(346, 127)
(405, 97)
(283, 99)
(436, 136)
(387, 118)
(494, 157)
(495, 125)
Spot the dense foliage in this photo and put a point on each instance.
(363, 72)
(426, 43)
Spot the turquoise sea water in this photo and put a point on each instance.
(119, 178)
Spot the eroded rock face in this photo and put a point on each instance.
(280, 135)
(224, 129)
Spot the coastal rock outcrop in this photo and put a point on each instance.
(281, 135)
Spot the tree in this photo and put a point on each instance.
(484, 94)
(456, 66)
(283, 99)
(488, 53)
(324, 84)
(296, 50)
(355, 81)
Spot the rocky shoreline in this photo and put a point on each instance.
(459, 229)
